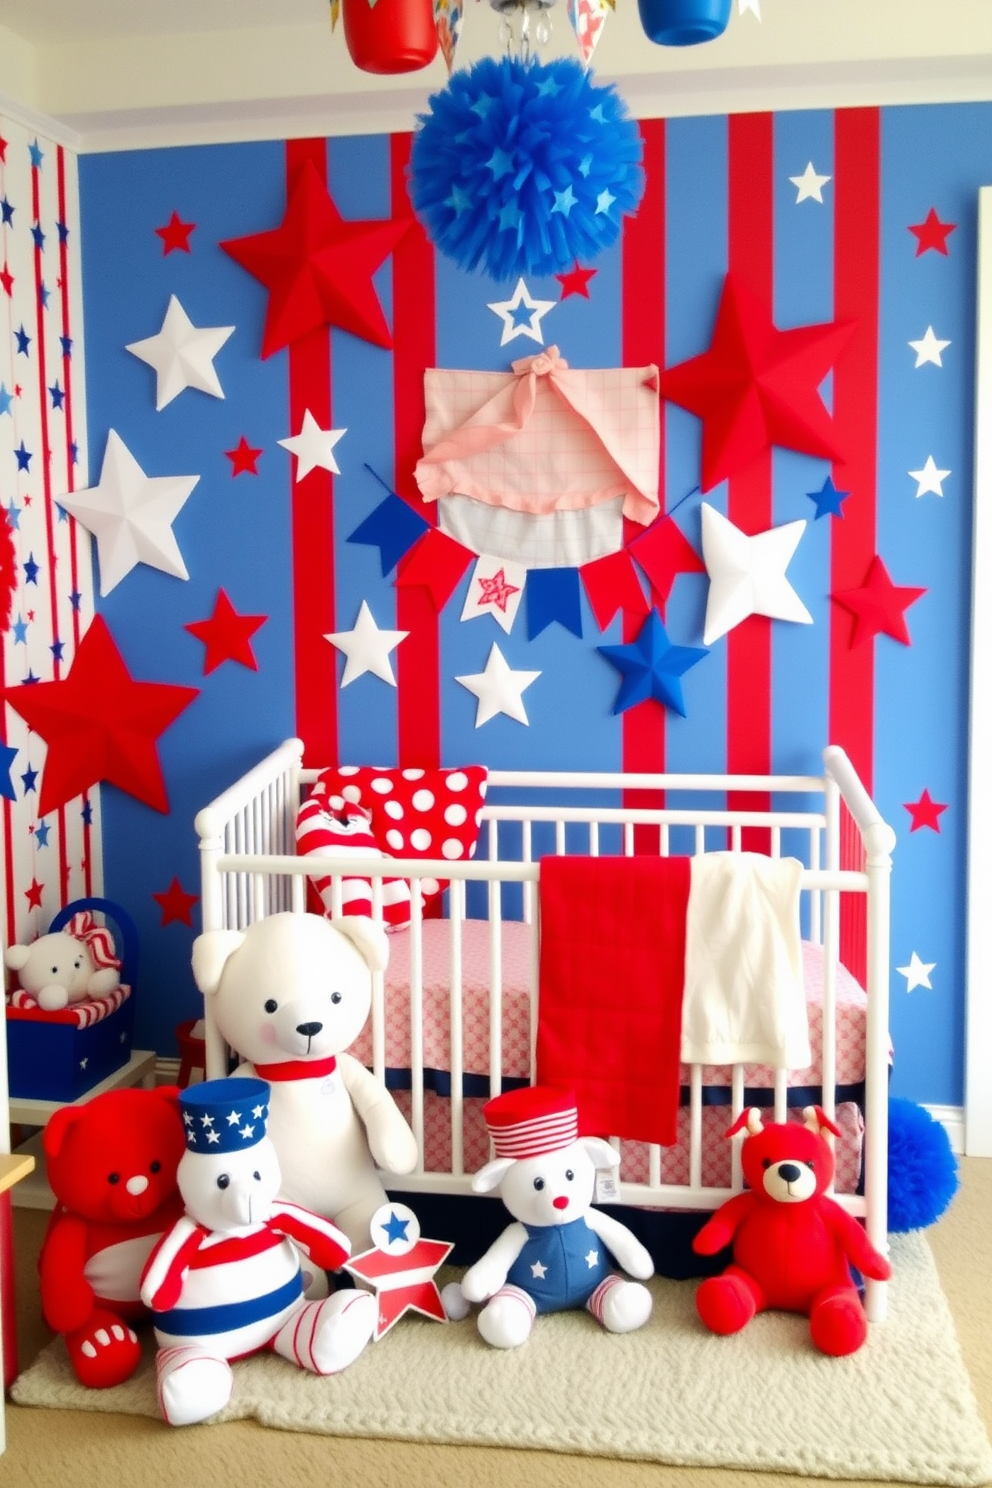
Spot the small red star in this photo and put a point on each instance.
(932, 233)
(175, 235)
(100, 724)
(925, 812)
(576, 282)
(318, 268)
(7, 280)
(176, 904)
(34, 893)
(496, 590)
(3, 150)
(878, 605)
(227, 635)
(243, 458)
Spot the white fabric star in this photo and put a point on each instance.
(312, 447)
(498, 689)
(131, 515)
(747, 574)
(917, 973)
(182, 355)
(809, 186)
(754, 6)
(928, 348)
(592, 1259)
(366, 648)
(514, 322)
(539, 1270)
(930, 478)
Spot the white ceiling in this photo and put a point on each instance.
(106, 74)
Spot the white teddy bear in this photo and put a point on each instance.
(67, 965)
(554, 1256)
(290, 994)
(226, 1280)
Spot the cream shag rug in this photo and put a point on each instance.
(901, 1408)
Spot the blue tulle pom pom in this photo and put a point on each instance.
(525, 167)
(923, 1171)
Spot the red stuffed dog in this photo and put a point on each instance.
(112, 1165)
(793, 1245)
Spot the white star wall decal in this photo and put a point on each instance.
(182, 355)
(313, 447)
(131, 515)
(754, 6)
(929, 478)
(917, 973)
(521, 315)
(747, 574)
(809, 186)
(498, 689)
(928, 348)
(366, 648)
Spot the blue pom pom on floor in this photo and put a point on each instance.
(923, 1171)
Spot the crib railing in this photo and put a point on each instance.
(250, 869)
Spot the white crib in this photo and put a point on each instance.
(250, 869)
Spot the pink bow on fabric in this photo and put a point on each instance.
(97, 939)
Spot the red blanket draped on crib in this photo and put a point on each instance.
(612, 967)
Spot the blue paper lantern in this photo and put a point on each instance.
(523, 167)
(684, 22)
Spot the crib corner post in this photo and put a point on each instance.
(879, 841)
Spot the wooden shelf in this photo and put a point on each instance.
(13, 1167)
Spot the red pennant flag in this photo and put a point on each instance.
(663, 553)
(436, 563)
(611, 584)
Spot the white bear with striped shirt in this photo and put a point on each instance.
(227, 1279)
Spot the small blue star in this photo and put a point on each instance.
(63, 232)
(459, 201)
(74, 452)
(20, 629)
(548, 88)
(41, 832)
(585, 165)
(31, 570)
(23, 340)
(396, 1228)
(521, 314)
(6, 399)
(597, 114)
(44, 295)
(23, 457)
(87, 814)
(29, 779)
(57, 647)
(57, 395)
(75, 599)
(604, 202)
(828, 500)
(7, 757)
(38, 235)
(13, 515)
(651, 667)
(35, 152)
(8, 212)
(565, 200)
(500, 163)
(30, 679)
(483, 104)
(510, 217)
(66, 345)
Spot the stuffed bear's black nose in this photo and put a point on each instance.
(789, 1172)
(309, 1029)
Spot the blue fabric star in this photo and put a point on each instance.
(828, 500)
(500, 163)
(66, 345)
(510, 217)
(44, 295)
(31, 570)
(6, 399)
(41, 832)
(20, 629)
(564, 200)
(76, 599)
(585, 165)
(23, 457)
(23, 341)
(38, 235)
(651, 667)
(56, 648)
(63, 232)
(459, 201)
(483, 104)
(36, 155)
(7, 757)
(604, 202)
(8, 212)
(396, 1228)
(87, 813)
(29, 780)
(548, 87)
(57, 395)
(13, 515)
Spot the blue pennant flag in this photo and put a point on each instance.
(553, 594)
(393, 528)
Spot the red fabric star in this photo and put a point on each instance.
(576, 282)
(34, 893)
(227, 635)
(176, 904)
(99, 724)
(878, 606)
(756, 385)
(925, 812)
(663, 553)
(403, 1283)
(932, 233)
(318, 268)
(7, 280)
(3, 150)
(496, 590)
(175, 235)
(243, 458)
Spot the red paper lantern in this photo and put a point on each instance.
(390, 35)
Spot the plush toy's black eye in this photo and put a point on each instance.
(78, 962)
(766, 1162)
(569, 1174)
(55, 971)
(539, 1184)
(810, 1164)
(271, 1005)
(257, 1177)
(155, 1167)
(224, 1181)
(335, 996)
(113, 1177)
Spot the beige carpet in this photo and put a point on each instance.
(901, 1409)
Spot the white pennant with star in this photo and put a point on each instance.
(495, 588)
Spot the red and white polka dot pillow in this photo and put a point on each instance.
(414, 813)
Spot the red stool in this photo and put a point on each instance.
(192, 1053)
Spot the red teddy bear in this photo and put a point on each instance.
(793, 1245)
(112, 1167)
